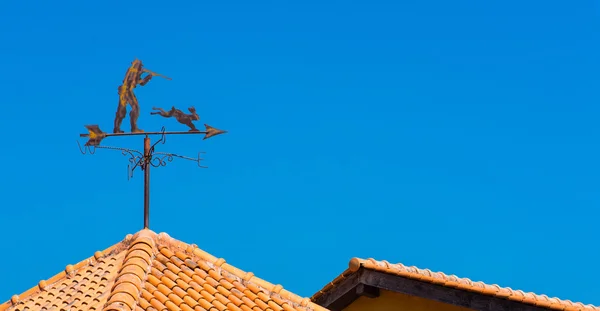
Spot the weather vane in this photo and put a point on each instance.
(144, 160)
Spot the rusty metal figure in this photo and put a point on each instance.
(144, 160)
(133, 77)
(180, 116)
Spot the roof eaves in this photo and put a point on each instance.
(452, 281)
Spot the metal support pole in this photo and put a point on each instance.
(143, 160)
(146, 161)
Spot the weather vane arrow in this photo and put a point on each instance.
(96, 135)
(147, 158)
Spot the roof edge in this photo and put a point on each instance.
(353, 266)
(452, 281)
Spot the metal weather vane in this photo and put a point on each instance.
(144, 160)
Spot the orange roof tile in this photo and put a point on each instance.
(149, 271)
(425, 275)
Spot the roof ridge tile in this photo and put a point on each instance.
(133, 273)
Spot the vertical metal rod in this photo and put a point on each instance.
(147, 158)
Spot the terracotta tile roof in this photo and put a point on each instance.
(453, 281)
(84, 286)
(154, 272)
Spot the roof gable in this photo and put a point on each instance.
(149, 271)
(365, 277)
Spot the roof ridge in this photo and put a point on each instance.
(70, 269)
(193, 250)
(134, 270)
(454, 281)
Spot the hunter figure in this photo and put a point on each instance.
(133, 77)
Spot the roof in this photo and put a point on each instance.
(451, 281)
(149, 272)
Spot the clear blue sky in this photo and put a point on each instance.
(459, 136)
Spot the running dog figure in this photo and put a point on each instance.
(133, 77)
(180, 116)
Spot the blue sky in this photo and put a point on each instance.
(459, 136)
